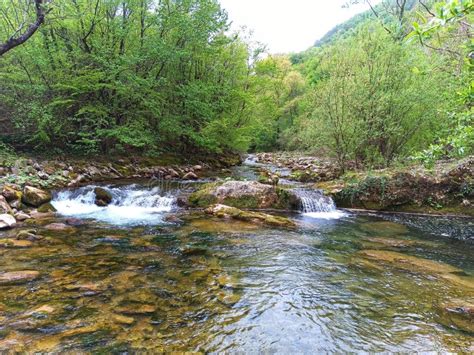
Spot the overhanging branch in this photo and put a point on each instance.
(17, 40)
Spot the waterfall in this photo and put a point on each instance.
(313, 203)
(131, 204)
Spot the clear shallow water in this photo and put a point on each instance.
(212, 285)
(126, 281)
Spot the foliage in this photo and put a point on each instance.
(372, 99)
(111, 76)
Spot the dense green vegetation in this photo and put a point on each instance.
(145, 76)
(396, 85)
(114, 75)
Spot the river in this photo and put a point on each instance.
(145, 275)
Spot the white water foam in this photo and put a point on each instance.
(314, 204)
(130, 205)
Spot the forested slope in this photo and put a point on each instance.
(149, 77)
(110, 76)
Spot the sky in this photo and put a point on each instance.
(289, 25)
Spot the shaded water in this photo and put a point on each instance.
(356, 283)
(210, 285)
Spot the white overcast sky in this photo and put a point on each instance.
(289, 25)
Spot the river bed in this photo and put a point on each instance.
(144, 275)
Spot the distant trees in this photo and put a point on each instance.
(373, 99)
(378, 92)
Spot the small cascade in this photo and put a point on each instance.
(313, 203)
(131, 204)
(251, 160)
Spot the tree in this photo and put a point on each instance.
(21, 35)
(372, 99)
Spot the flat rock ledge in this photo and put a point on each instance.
(223, 211)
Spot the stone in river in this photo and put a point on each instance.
(35, 197)
(190, 176)
(59, 227)
(102, 197)
(458, 313)
(7, 221)
(120, 319)
(384, 228)
(137, 309)
(13, 243)
(14, 277)
(4, 206)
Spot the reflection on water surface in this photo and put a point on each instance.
(358, 283)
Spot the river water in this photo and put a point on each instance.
(143, 275)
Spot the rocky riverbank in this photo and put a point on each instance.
(446, 188)
(25, 183)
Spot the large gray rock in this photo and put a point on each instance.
(243, 194)
(35, 197)
(7, 221)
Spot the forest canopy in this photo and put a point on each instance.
(148, 76)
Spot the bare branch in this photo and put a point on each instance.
(15, 40)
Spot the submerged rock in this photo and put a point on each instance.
(137, 309)
(46, 207)
(35, 197)
(391, 242)
(409, 262)
(415, 264)
(384, 228)
(59, 227)
(7, 221)
(15, 277)
(14, 243)
(102, 197)
(28, 234)
(223, 211)
(458, 313)
(121, 319)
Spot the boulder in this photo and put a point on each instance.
(102, 197)
(223, 211)
(7, 221)
(16, 277)
(28, 234)
(22, 216)
(190, 176)
(244, 194)
(4, 206)
(10, 193)
(197, 167)
(35, 197)
(173, 173)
